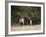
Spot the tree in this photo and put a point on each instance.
(26, 11)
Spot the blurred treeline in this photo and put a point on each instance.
(26, 11)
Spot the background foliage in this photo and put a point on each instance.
(26, 11)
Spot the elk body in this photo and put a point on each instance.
(25, 21)
(21, 21)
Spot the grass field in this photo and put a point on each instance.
(26, 28)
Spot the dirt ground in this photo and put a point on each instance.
(26, 28)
